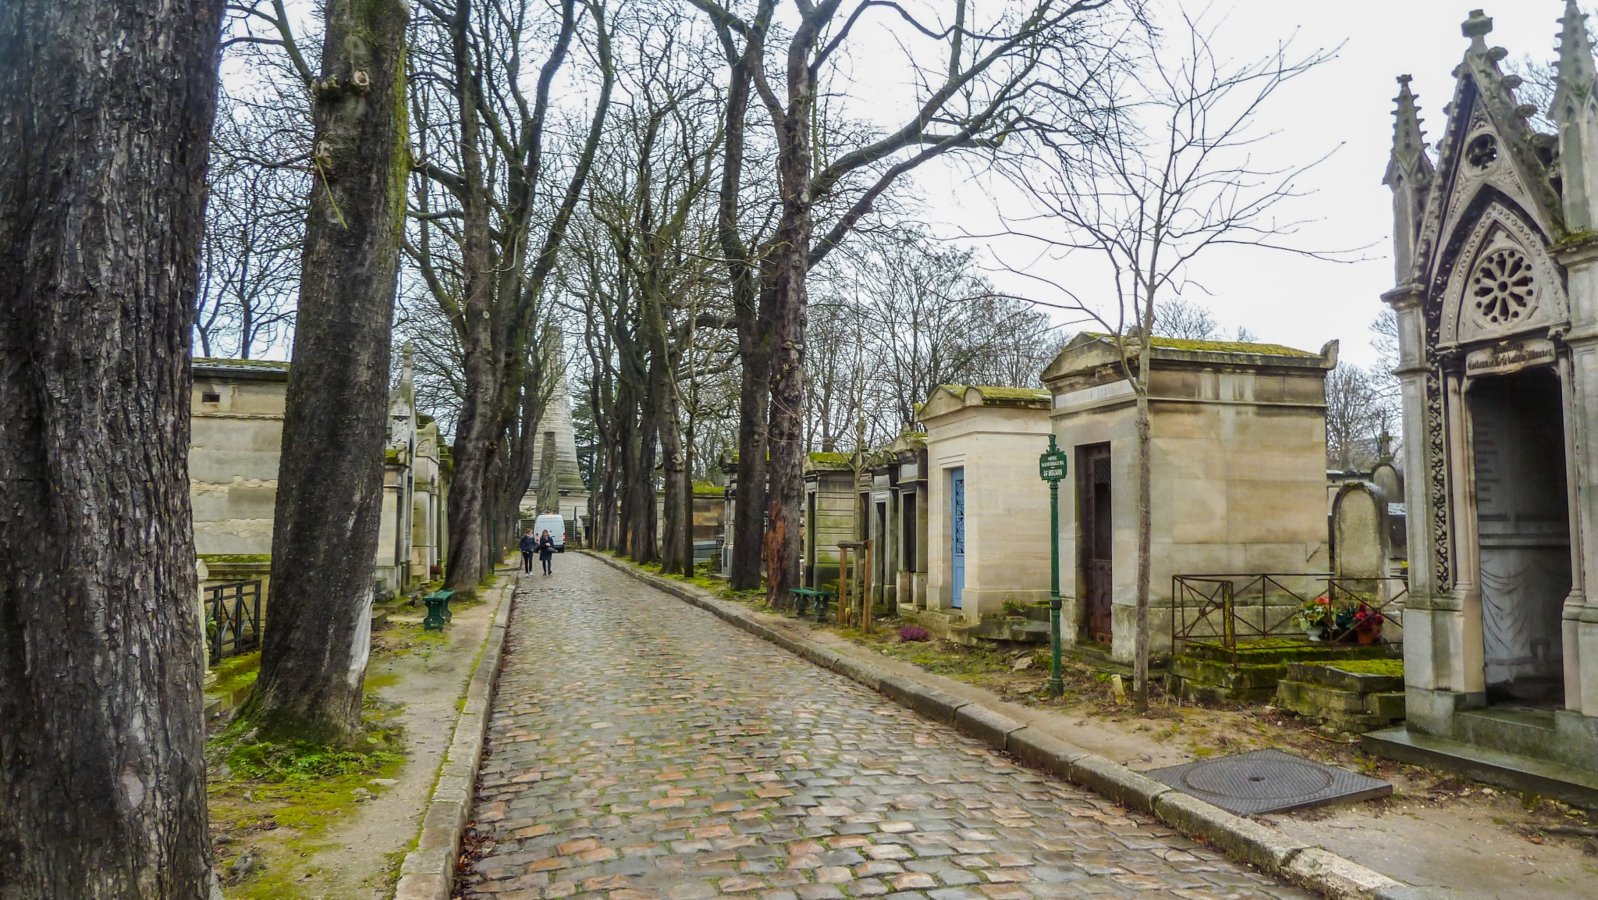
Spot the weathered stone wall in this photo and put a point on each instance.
(237, 436)
(834, 521)
(1006, 506)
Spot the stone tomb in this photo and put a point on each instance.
(830, 516)
(1238, 475)
(987, 511)
(235, 443)
(1496, 259)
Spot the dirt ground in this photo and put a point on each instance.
(351, 849)
(1469, 839)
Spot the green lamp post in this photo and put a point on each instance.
(1052, 468)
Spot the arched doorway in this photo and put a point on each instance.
(1522, 532)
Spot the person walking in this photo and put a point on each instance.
(546, 552)
(529, 545)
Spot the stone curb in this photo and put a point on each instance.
(1241, 839)
(428, 871)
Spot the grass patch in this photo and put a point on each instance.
(270, 802)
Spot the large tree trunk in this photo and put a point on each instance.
(643, 544)
(787, 273)
(335, 425)
(677, 551)
(749, 503)
(105, 119)
(785, 437)
(476, 429)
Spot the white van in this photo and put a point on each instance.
(555, 524)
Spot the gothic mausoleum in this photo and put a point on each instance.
(1496, 252)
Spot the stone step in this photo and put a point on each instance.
(1511, 770)
(1507, 730)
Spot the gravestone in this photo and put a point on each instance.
(1359, 535)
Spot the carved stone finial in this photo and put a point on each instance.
(1477, 27)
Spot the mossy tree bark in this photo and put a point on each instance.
(105, 114)
(335, 426)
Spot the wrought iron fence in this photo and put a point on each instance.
(233, 618)
(1229, 608)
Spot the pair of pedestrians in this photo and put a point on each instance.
(544, 546)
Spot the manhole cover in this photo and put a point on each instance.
(1267, 781)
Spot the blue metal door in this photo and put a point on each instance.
(957, 520)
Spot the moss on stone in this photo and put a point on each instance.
(708, 489)
(1245, 347)
(235, 673)
(235, 559)
(821, 460)
(1389, 667)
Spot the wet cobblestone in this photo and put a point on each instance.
(640, 747)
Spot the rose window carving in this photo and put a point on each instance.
(1481, 151)
(1503, 288)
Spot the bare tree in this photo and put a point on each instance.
(1174, 178)
(1178, 318)
(491, 206)
(893, 318)
(1356, 417)
(970, 98)
(106, 107)
(255, 222)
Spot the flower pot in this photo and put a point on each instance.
(1365, 635)
(1315, 632)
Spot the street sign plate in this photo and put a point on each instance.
(1051, 465)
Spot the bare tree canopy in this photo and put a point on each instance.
(1177, 174)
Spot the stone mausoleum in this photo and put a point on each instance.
(1496, 255)
(1237, 474)
(987, 512)
(235, 443)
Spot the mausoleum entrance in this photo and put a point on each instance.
(1523, 532)
(1095, 544)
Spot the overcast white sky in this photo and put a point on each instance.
(1348, 101)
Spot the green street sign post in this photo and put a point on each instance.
(1052, 468)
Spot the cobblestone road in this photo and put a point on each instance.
(640, 747)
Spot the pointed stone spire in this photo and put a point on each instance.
(1409, 142)
(1409, 175)
(1576, 73)
(1575, 112)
